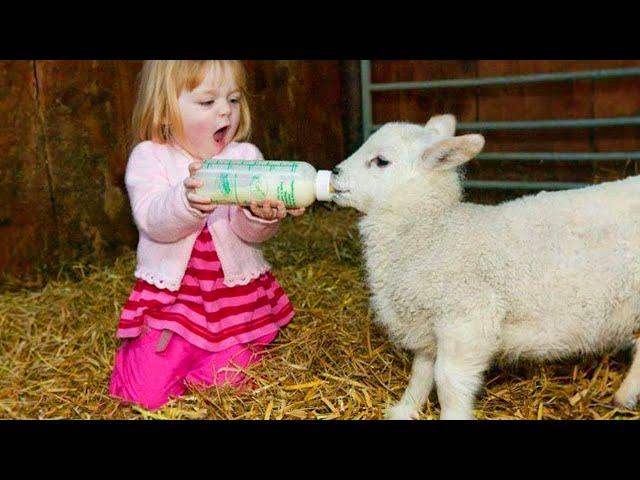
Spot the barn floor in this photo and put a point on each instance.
(331, 362)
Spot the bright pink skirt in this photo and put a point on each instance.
(212, 331)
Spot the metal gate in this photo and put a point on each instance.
(369, 127)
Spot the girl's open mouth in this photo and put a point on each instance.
(220, 134)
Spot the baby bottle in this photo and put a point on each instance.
(297, 184)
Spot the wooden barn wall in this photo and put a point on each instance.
(297, 110)
(64, 135)
(26, 213)
(64, 146)
(561, 100)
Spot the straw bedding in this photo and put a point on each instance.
(57, 345)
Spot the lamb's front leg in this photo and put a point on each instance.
(418, 390)
(459, 376)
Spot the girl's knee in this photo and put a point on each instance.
(141, 390)
(143, 376)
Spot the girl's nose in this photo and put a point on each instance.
(225, 108)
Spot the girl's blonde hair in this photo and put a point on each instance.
(156, 115)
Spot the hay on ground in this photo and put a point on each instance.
(57, 345)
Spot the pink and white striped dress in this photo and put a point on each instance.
(204, 311)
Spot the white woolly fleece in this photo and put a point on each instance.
(460, 284)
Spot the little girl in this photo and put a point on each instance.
(204, 303)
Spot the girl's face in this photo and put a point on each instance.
(210, 115)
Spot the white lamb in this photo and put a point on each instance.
(461, 285)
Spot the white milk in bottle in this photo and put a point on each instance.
(297, 184)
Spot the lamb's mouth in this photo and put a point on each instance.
(336, 191)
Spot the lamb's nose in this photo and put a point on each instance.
(335, 171)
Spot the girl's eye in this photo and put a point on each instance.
(207, 103)
(235, 100)
(380, 161)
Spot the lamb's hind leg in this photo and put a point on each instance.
(629, 392)
(417, 392)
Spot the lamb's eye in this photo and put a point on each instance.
(380, 161)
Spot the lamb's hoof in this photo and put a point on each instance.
(401, 412)
(626, 398)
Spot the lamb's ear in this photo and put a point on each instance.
(442, 125)
(447, 154)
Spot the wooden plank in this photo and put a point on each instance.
(351, 86)
(617, 98)
(84, 109)
(417, 106)
(564, 100)
(27, 234)
(296, 110)
(126, 85)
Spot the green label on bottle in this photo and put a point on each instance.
(258, 187)
(225, 184)
(286, 194)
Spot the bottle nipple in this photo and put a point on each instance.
(324, 188)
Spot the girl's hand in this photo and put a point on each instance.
(199, 202)
(269, 210)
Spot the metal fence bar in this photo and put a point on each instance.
(510, 80)
(560, 157)
(368, 127)
(539, 124)
(543, 124)
(367, 107)
(509, 185)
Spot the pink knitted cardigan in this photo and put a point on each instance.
(168, 226)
